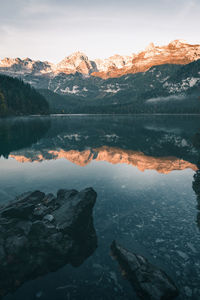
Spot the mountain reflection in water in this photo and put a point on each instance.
(152, 212)
(114, 156)
(160, 143)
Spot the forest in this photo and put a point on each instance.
(19, 98)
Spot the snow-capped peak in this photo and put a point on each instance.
(75, 62)
(177, 43)
(150, 47)
(176, 52)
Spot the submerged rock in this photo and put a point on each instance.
(149, 282)
(196, 188)
(40, 233)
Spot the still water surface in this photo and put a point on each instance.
(145, 172)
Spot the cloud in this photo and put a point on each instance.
(165, 99)
(186, 10)
(50, 29)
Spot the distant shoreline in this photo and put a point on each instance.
(83, 115)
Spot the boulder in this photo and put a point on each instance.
(41, 233)
(148, 281)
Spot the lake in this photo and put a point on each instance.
(145, 170)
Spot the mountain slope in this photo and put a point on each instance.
(18, 98)
(162, 89)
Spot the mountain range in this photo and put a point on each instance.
(176, 52)
(156, 80)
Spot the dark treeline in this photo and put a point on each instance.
(19, 98)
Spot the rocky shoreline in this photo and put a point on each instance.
(40, 233)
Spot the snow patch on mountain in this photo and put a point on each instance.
(74, 90)
(112, 88)
(182, 86)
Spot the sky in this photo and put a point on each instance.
(53, 29)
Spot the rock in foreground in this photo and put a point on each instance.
(149, 282)
(40, 233)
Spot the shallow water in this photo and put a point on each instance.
(142, 168)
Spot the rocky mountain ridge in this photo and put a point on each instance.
(158, 80)
(176, 52)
